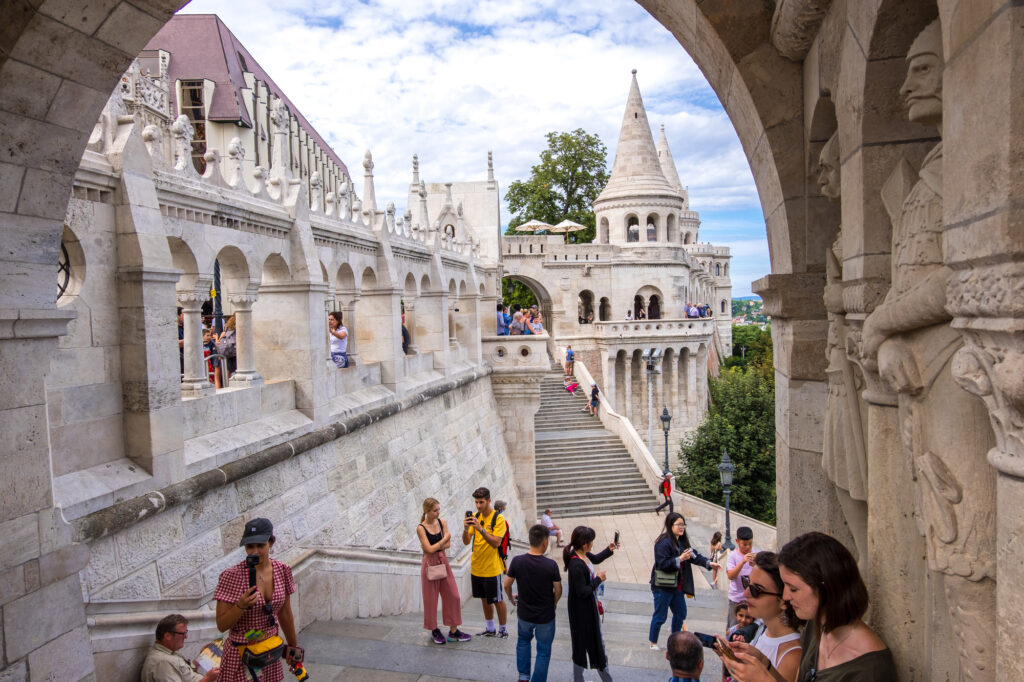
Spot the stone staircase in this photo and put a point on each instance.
(582, 468)
(398, 649)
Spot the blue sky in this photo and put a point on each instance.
(452, 79)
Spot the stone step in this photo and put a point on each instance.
(598, 507)
(584, 457)
(564, 483)
(398, 648)
(615, 469)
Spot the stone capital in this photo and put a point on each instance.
(35, 324)
(794, 296)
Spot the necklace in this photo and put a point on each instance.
(828, 654)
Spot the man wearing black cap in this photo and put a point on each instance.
(740, 563)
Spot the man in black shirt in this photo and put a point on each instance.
(540, 588)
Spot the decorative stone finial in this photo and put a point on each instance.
(415, 169)
(490, 166)
(634, 72)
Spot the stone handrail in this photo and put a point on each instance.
(662, 327)
(517, 353)
(707, 513)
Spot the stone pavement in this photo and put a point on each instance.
(397, 648)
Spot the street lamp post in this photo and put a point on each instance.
(666, 419)
(726, 469)
(651, 356)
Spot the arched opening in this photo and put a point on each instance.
(722, 307)
(652, 228)
(621, 381)
(531, 293)
(602, 231)
(654, 308)
(605, 309)
(632, 229)
(718, 269)
(639, 308)
(688, 238)
(585, 307)
(671, 231)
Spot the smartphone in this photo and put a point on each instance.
(707, 640)
(295, 653)
(724, 649)
(616, 537)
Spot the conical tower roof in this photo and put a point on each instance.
(668, 166)
(636, 171)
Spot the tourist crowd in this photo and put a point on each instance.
(795, 616)
(519, 321)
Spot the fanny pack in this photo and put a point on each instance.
(261, 654)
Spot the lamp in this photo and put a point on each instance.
(726, 469)
(666, 420)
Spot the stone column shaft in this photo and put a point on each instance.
(410, 324)
(348, 320)
(196, 381)
(245, 355)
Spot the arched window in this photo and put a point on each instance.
(605, 311)
(585, 307)
(654, 308)
(688, 238)
(718, 269)
(652, 228)
(723, 306)
(602, 232)
(632, 229)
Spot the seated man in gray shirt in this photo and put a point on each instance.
(163, 664)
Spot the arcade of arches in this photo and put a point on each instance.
(895, 294)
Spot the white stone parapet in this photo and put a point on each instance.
(668, 328)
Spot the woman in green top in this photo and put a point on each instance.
(823, 586)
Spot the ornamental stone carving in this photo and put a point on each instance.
(944, 428)
(182, 132)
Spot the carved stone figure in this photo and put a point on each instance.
(316, 187)
(945, 429)
(182, 132)
(236, 155)
(844, 455)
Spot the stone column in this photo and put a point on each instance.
(151, 372)
(432, 327)
(453, 339)
(627, 378)
(196, 381)
(410, 324)
(381, 322)
(806, 498)
(348, 320)
(518, 399)
(467, 321)
(692, 417)
(44, 616)
(245, 359)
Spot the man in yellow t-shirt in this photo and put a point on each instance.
(486, 567)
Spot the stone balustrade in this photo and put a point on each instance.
(666, 328)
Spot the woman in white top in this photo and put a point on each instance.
(779, 637)
(339, 339)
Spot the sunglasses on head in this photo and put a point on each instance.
(756, 590)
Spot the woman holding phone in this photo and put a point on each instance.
(671, 579)
(584, 616)
(822, 585)
(265, 608)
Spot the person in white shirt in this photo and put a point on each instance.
(553, 529)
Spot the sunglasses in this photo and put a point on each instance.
(756, 590)
(269, 610)
(183, 634)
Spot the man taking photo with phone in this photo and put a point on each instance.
(486, 529)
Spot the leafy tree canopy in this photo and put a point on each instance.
(513, 291)
(741, 419)
(572, 172)
(750, 345)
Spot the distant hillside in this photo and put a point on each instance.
(748, 310)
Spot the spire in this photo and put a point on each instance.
(668, 166)
(636, 169)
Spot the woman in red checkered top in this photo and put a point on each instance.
(265, 607)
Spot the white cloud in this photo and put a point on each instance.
(452, 79)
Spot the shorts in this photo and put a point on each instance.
(340, 359)
(487, 588)
(593, 403)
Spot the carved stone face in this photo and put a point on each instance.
(828, 169)
(922, 90)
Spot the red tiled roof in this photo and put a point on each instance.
(202, 47)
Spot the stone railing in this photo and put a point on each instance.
(652, 328)
(517, 353)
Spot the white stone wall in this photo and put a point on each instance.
(364, 490)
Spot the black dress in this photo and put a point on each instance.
(584, 621)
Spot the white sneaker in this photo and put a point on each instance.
(655, 647)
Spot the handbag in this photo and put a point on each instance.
(437, 572)
(226, 346)
(666, 579)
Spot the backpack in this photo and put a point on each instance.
(506, 540)
(226, 345)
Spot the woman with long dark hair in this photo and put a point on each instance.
(584, 619)
(779, 638)
(821, 584)
(671, 579)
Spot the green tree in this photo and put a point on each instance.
(742, 419)
(572, 172)
(513, 291)
(750, 344)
